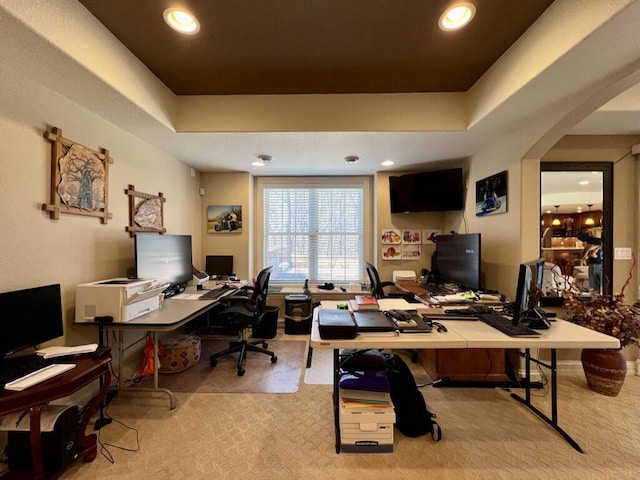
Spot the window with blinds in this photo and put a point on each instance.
(314, 231)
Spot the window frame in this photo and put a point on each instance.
(261, 183)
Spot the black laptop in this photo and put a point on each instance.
(373, 321)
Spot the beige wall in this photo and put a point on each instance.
(626, 181)
(234, 188)
(36, 250)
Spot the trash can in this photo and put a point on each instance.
(268, 327)
(298, 313)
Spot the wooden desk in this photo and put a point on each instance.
(477, 335)
(480, 365)
(88, 369)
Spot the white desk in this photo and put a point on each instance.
(475, 334)
(174, 313)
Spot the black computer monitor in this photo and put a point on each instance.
(458, 260)
(29, 317)
(528, 291)
(166, 258)
(219, 265)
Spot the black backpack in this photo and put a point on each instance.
(413, 419)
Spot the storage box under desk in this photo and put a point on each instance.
(366, 430)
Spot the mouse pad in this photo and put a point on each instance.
(373, 322)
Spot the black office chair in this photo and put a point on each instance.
(241, 312)
(377, 291)
(377, 286)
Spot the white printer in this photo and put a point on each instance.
(404, 276)
(123, 299)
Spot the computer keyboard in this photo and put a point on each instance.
(39, 376)
(497, 321)
(217, 294)
(16, 367)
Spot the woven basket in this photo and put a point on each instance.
(180, 353)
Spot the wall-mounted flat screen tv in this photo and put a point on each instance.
(436, 191)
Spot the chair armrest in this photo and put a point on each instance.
(386, 284)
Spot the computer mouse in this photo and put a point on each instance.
(224, 285)
(440, 327)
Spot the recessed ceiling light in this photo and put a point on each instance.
(181, 21)
(261, 161)
(351, 159)
(457, 16)
(584, 182)
(388, 163)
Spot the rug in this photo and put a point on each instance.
(261, 376)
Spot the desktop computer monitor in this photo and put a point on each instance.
(167, 258)
(458, 260)
(528, 291)
(29, 317)
(219, 266)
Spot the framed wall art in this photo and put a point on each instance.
(429, 236)
(79, 179)
(224, 219)
(146, 212)
(491, 195)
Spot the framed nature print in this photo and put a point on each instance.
(79, 179)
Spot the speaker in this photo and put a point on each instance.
(59, 446)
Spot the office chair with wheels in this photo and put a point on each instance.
(378, 286)
(242, 312)
(377, 291)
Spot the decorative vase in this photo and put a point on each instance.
(604, 369)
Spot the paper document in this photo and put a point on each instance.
(20, 421)
(189, 296)
(52, 352)
(387, 304)
(461, 297)
(151, 290)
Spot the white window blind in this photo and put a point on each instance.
(314, 231)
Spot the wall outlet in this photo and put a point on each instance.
(622, 254)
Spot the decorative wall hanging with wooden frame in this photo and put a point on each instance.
(79, 179)
(146, 212)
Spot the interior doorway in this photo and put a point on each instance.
(576, 226)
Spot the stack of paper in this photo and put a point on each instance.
(364, 399)
(404, 276)
(52, 352)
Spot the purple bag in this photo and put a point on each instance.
(371, 380)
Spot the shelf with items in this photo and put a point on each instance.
(569, 224)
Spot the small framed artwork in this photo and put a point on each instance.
(429, 236)
(390, 236)
(146, 212)
(224, 219)
(411, 236)
(411, 252)
(491, 195)
(391, 253)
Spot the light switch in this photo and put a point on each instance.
(622, 254)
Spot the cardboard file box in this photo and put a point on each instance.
(366, 430)
(121, 298)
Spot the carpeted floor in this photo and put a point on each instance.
(261, 376)
(487, 435)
